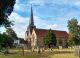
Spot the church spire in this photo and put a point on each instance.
(31, 22)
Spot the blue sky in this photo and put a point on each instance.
(48, 14)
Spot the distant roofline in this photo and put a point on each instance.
(51, 29)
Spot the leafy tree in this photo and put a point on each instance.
(6, 7)
(50, 39)
(11, 33)
(74, 32)
(5, 40)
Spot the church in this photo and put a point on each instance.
(34, 36)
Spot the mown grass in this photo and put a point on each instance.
(56, 53)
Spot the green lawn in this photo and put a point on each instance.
(57, 53)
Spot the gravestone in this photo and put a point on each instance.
(60, 47)
(77, 51)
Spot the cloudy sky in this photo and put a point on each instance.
(48, 14)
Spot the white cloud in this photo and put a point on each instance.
(20, 23)
(54, 26)
(17, 18)
(17, 1)
(40, 23)
(20, 31)
(78, 22)
(20, 7)
(2, 29)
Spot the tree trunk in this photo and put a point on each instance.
(49, 46)
(23, 51)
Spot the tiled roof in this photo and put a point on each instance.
(58, 33)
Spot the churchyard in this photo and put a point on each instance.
(66, 33)
(56, 53)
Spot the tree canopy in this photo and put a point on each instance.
(7, 38)
(11, 33)
(6, 7)
(74, 32)
(50, 38)
(5, 41)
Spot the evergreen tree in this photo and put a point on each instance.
(50, 39)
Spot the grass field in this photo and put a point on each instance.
(56, 53)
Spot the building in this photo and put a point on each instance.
(19, 42)
(34, 36)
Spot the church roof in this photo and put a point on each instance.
(58, 33)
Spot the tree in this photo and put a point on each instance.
(50, 39)
(5, 40)
(11, 33)
(6, 7)
(5, 43)
(74, 32)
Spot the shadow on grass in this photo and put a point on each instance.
(62, 52)
(30, 54)
(45, 54)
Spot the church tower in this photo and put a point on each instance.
(31, 26)
(31, 22)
